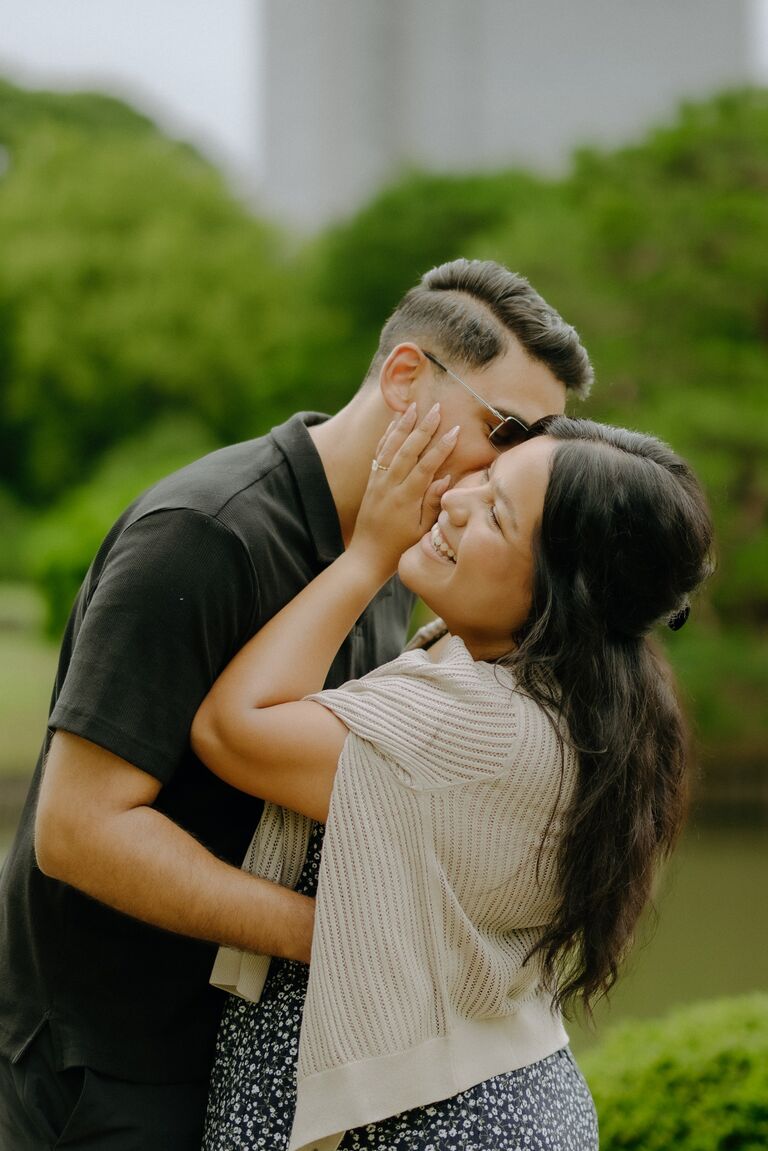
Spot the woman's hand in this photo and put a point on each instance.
(254, 729)
(402, 499)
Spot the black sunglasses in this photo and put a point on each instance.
(510, 431)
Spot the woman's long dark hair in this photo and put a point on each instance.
(625, 538)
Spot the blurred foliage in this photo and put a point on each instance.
(360, 269)
(658, 255)
(27, 672)
(135, 289)
(13, 522)
(61, 541)
(131, 284)
(696, 1081)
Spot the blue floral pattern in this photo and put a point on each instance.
(544, 1107)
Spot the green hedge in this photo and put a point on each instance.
(695, 1081)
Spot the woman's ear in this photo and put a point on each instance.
(403, 377)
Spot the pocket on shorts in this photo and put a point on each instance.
(51, 1098)
(75, 1125)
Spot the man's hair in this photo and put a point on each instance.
(465, 312)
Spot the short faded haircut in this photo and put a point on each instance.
(465, 311)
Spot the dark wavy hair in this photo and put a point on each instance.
(625, 538)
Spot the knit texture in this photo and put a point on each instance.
(438, 874)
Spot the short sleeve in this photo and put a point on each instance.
(174, 601)
(437, 724)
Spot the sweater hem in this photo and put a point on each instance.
(334, 1101)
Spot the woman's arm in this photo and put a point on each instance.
(254, 729)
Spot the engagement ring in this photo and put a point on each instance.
(377, 467)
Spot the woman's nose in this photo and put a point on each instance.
(454, 503)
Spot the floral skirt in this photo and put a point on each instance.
(543, 1107)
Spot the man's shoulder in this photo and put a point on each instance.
(248, 497)
(211, 483)
(232, 482)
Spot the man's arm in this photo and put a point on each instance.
(96, 830)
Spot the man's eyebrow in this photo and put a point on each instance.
(506, 413)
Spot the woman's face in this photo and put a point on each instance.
(475, 567)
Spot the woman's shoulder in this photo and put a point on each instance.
(447, 664)
(445, 669)
(434, 642)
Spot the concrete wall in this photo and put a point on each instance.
(357, 90)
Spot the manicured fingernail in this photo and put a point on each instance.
(409, 414)
(433, 411)
(452, 434)
(445, 483)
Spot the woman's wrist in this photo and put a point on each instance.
(369, 565)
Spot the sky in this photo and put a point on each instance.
(192, 65)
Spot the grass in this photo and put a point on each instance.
(27, 672)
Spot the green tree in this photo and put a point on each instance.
(131, 284)
(656, 253)
(134, 287)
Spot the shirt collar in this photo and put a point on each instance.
(296, 444)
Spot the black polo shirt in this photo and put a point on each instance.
(188, 573)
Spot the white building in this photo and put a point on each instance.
(355, 91)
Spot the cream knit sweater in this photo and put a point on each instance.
(450, 788)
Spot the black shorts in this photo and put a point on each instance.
(78, 1108)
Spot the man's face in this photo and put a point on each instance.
(514, 384)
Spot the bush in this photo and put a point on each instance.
(695, 1081)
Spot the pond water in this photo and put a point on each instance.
(711, 933)
(710, 937)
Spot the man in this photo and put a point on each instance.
(124, 873)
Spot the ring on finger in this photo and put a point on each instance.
(377, 467)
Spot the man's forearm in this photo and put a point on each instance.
(142, 864)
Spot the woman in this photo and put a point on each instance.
(498, 802)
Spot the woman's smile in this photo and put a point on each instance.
(487, 521)
(441, 545)
(426, 546)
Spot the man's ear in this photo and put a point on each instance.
(402, 376)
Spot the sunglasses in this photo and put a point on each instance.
(510, 431)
